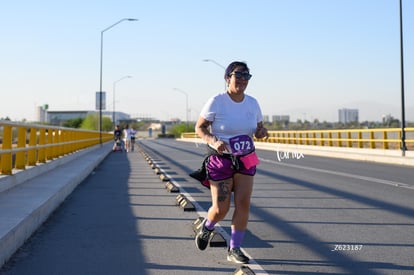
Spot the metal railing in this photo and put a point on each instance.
(23, 145)
(385, 138)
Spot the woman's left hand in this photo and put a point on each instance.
(261, 132)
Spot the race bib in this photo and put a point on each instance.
(241, 145)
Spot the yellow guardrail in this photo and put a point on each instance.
(23, 145)
(385, 138)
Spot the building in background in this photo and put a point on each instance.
(59, 117)
(41, 113)
(281, 118)
(348, 115)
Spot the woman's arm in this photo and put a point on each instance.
(203, 132)
(201, 129)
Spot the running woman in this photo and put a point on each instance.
(227, 123)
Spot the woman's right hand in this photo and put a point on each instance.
(220, 146)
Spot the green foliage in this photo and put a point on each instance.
(73, 123)
(177, 129)
(107, 125)
(91, 122)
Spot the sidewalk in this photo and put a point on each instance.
(31, 195)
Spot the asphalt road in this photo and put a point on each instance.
(309, 215)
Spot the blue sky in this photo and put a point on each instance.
(308, 58)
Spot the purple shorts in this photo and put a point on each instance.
(220, 168)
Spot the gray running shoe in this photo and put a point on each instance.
(235, 255)
(203, 236)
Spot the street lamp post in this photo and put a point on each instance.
(186, 103)
(218, 64)
(113, 94)
(403, 145)
(100, 76)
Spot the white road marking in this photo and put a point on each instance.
(371, 179)
(253, 265)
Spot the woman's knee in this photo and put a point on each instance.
(242, 200)
(220, 211)
(242, 206)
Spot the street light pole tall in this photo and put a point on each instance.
(113, 94)
(218, 64)
(403, 146)
(100, 75)
(186, 103)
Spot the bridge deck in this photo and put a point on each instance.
(120, 220)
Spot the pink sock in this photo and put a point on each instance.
(236, 238)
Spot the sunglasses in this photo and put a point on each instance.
(245, 76)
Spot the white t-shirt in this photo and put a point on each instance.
(127, 134)
(230, 118)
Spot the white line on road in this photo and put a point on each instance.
(253, 265)
(371, 179)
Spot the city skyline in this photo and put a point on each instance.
(308, 58)
(345, 115)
